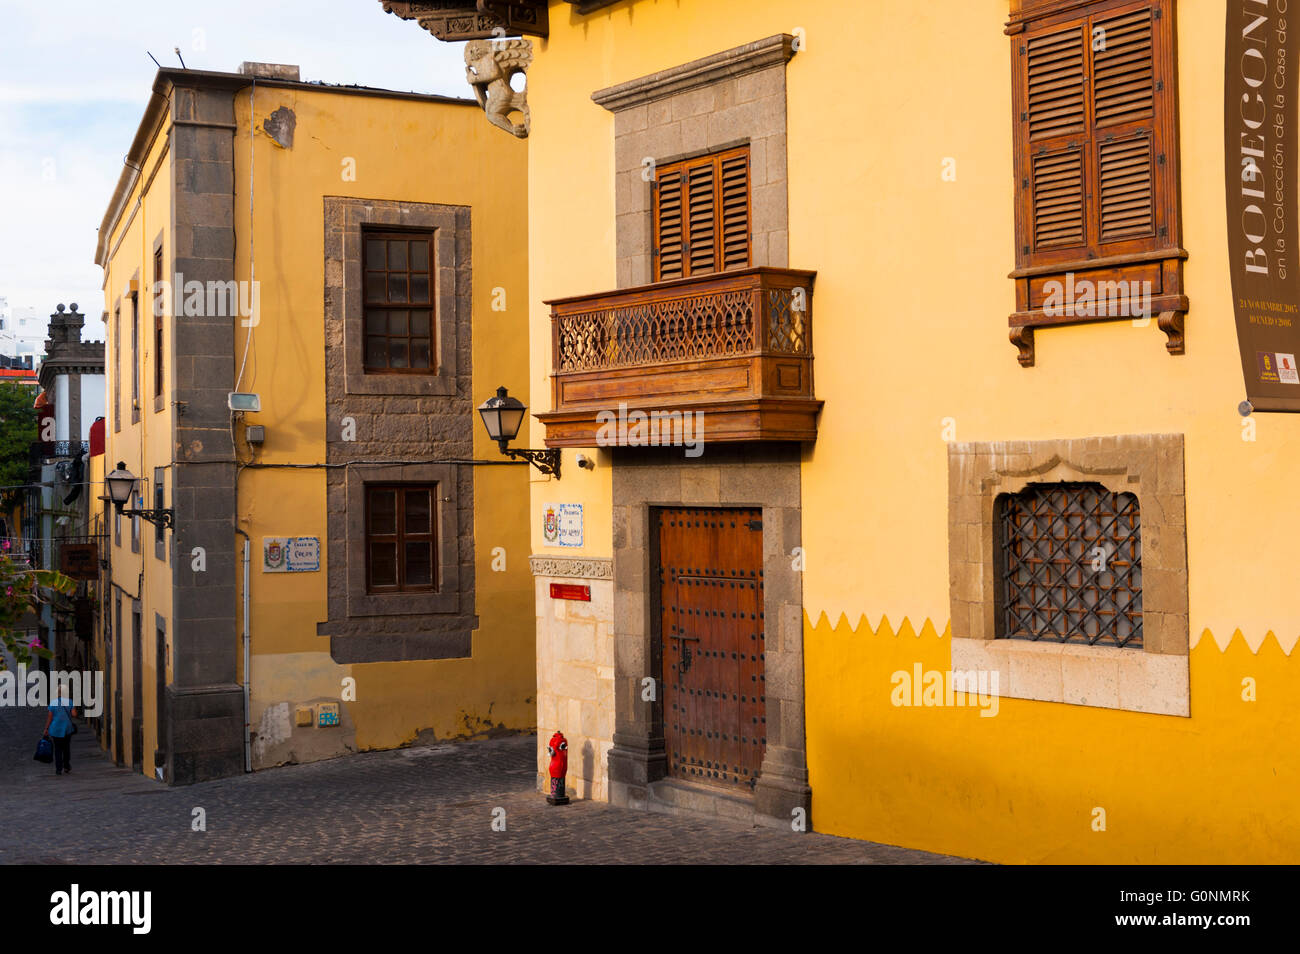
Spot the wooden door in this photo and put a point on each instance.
(710, 564)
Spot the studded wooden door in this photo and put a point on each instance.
(710, 564)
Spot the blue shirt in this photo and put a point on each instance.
(61, 726)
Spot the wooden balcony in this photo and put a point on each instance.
(736, 347)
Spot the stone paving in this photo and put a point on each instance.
(431, 804)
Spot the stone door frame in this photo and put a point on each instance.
(766, 477)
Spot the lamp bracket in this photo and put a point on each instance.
(547, 461)
(164, 519)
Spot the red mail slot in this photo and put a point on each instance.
(570, 591)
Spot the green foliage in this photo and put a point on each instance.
(23, 589)
(17, 434)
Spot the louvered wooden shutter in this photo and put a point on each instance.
(734, 226)
(1124, 106)
(701, 215)
(668, 225)
(1089, 138)
(702, 218)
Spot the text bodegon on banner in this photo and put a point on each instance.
(1260, 170)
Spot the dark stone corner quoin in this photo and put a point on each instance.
(204, 703)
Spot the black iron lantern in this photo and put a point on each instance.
(503, 415)
(121, 487)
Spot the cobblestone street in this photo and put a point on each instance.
(418, 805)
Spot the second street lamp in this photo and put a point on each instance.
(121, 487)
(503, 416)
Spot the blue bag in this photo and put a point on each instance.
(44, 751)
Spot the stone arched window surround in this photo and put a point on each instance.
(1151, 679)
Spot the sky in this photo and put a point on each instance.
(74, 80)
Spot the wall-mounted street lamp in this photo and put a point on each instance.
(502, 416)
(121, 486)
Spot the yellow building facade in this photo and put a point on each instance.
(888, 148)
(335, 571)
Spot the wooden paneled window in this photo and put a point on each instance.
(399, 311)
(117, 367)
(158, 308)
(159, 503)
(701, 215)
(135, 357)
(401, 538)
(1096, 161)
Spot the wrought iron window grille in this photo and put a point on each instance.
(1069, 565)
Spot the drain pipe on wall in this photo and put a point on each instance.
(248, 742)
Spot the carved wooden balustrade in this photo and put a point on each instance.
(734, 346)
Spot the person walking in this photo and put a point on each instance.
(59, 729)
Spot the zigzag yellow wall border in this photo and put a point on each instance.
(1222, 786)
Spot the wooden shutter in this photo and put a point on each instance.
(668, 225)
(1055, 121)
(701, 215)
(702, 219)
(1055, 62)
(1122, 69)
(1058, 199)
(1123, 83)
(1126, 196)
(734, 190)
(1093, 122)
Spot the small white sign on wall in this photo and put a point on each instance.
(290, 554)
(562, 524)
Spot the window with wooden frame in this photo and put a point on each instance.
(399, 311)
(701, 215)
(158, 309)
(401, 538)
(159, 503)
(117, 367)
(1098, 232)
(135, 357)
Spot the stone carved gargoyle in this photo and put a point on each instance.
(489, 68)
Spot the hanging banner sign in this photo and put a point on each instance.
(1259, 122)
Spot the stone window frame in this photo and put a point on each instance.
(444, 599)
(159, 502)
(158, 328)
(133, 296)
(1152, 679)
(345, 219)
(117, 365)
(729, 99)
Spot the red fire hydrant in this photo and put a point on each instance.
(558, 748)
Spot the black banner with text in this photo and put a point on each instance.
(1259, 131)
